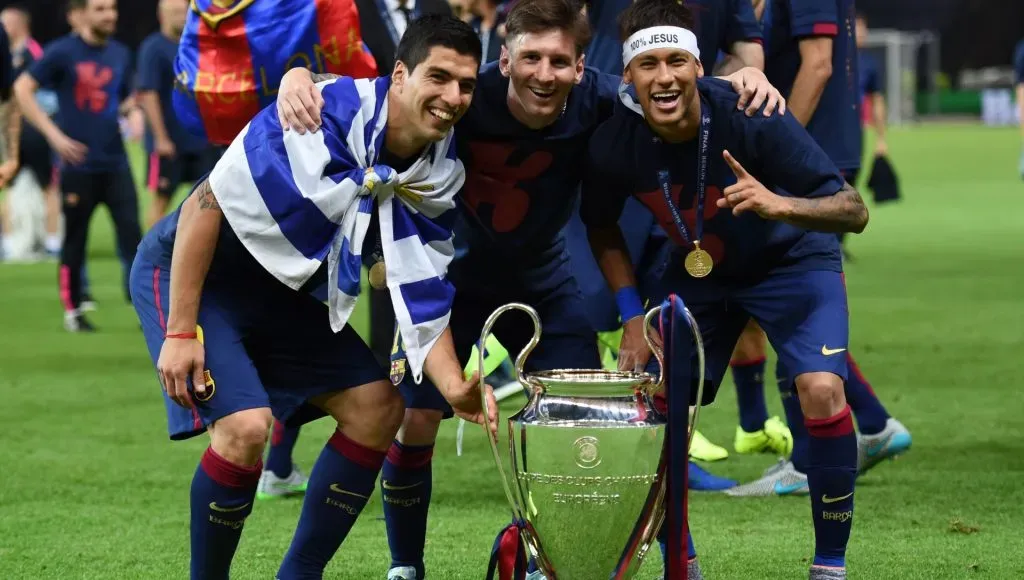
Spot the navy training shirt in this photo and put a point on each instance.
(835, 124)
(869, 81)
(90, 82)
(718, 25)
(521, 183)
(1018, 63)
(156, 73)
(625, 156)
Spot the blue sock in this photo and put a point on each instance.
(282, 442)
(794, 418)
(749, 379)
(869, 411)
(405, 488)
(830, 479)
(340, 484)
(221, 499)
(691, 550)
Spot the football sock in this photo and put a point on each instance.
(794, 418)
(405, 483)
(830, 479)
(282, 442)
(749, 379)
(691, 550)
(340, 484)
(869, 411)
(221, 499)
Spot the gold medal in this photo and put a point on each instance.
(698, 263)
(378, 276)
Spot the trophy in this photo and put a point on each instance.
(586, 466)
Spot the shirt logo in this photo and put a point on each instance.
(91, 80)
(494, 177)
(825, 350)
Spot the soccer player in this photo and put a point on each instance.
(707, 172)
(223, 288)
(523, 142)
(91, 73)
(175, 155)
(1018, 73)
(871, 87)
(812, 56)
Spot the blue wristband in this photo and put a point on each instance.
(630, 305)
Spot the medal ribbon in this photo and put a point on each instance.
(665, 181)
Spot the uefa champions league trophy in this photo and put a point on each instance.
(586, 464)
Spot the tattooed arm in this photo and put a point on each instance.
(194, 244)
(10, 119)
(843, 212)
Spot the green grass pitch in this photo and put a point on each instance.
(92, 488)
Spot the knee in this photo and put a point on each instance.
(821, 394)
(241, 437)
(370, 414)
(419, 426)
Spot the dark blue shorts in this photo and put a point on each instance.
(648, 247)
(804, 314)
(567, 339)
(266, 346)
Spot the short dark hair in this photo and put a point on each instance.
(532, 16)
(77, 4)
(432, 30)
(647, 13)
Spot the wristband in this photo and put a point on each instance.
(182, 335)
(630, 305)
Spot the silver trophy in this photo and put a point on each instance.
(585, 469)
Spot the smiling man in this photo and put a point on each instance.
(710, 175)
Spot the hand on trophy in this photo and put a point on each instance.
(467, 404)
(633, 350)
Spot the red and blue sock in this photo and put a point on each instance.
(340, 485)
(405, 488)
(749, 379)
(830, 479)
(282, 442)
(869, 411)
(221, 498)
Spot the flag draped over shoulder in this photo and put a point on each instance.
(296, 201)
(232, 55)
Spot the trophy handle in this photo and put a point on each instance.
(660, 355)
(524, 381)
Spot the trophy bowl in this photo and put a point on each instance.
(584, 469)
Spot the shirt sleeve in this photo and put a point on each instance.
(604, 190)
(128, 86)
(49, 70)
(813, 18)
(149, 77)
(607, 93)
(743, 25)
(870, 71)
(791, 160)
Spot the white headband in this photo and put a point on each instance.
(659, 37)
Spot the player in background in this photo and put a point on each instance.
(523, 142)
(10, 127)
(1018, 76)
(706, 171)
(870, 84)
(91, 73)
(215, 270)
(175, 155)
(812, 54)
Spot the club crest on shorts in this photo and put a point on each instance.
(397, 359)
(211, 388)
(588, 455)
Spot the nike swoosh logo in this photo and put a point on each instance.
(337, 489)
(389, 486)
(825, 350)
(217, 508)
(827, 499)
(783, 489)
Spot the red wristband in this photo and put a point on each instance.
(182, 335)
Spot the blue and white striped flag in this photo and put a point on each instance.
(297, 200)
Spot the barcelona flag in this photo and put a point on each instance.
(233, 54)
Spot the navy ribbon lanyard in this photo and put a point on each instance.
(385, 15)
(665, 181)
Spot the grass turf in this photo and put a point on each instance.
(92, 488)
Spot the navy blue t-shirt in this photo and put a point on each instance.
(836, 121)
(718, 25)
(1018, 63)
(625, 157)
(90, 82)
(869, 82)
(156, 73)
(522, 183)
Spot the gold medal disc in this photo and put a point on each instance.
(698, 263)
(378, 276)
